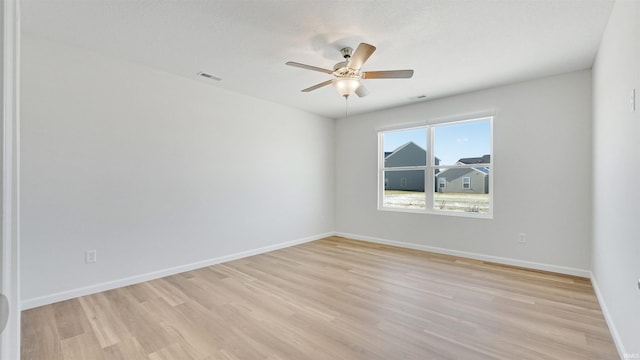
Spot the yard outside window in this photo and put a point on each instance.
(442, 168)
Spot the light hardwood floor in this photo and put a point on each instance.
(331, 299)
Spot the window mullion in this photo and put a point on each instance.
(404, 168)
(429, 174)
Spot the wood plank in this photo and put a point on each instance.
(40, 339)
(82, 347)
(107, 327)
(70, 323)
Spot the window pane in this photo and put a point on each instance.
(404, 189)
(467, 142)
(462, 190)
(405, 148)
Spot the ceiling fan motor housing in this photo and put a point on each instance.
(341, 69)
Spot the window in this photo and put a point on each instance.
(440, 168)
(442, 183)
(466, 182)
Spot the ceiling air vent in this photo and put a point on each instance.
(209, 76)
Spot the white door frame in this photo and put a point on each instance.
(10, 109)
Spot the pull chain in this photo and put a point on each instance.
(346, 105)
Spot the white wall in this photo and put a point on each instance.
(155, 172)
(542, 177)
(616, 151)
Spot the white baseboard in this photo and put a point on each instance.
(476, 256)
(109, 285)
(607, 316)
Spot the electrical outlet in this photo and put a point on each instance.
(522, 238)
(90, 257)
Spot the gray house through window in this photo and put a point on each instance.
(408, 154)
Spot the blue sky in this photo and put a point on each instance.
(452, 142)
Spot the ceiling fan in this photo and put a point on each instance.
(347, 74)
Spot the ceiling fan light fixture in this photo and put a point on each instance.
(346, 86)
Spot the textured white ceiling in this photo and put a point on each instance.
(453, 46)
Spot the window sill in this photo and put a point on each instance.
(440, 213)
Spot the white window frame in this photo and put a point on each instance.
(430, 167)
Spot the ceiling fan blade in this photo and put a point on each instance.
(362, 91)
(309, 67)
(362, 53)
(390, 74)
(317, 86)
